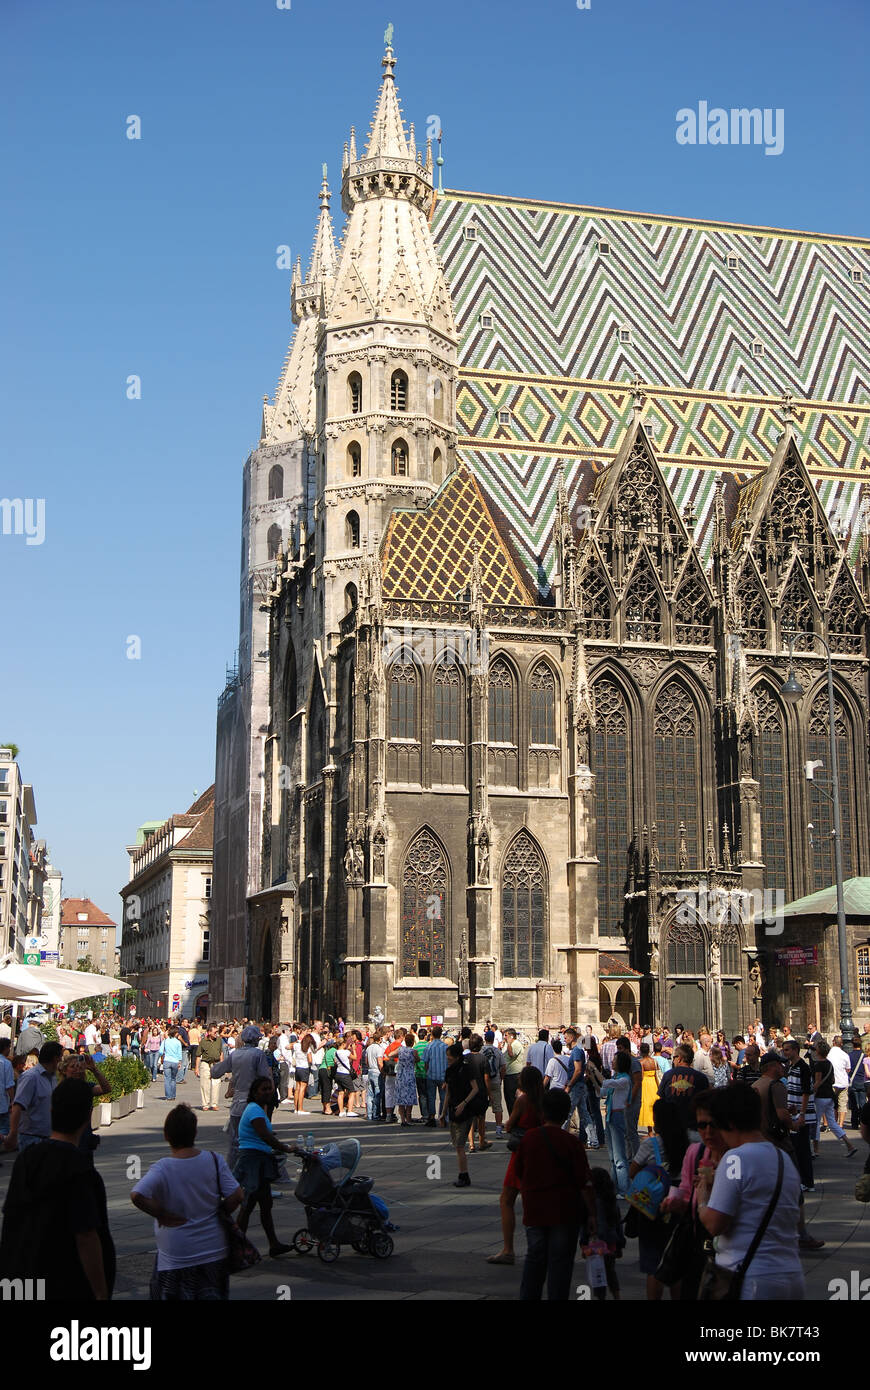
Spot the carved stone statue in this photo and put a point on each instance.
(358, 862)
(378, 857)
(745, 745)
(483, 860)
(756, 975)
(654, 961)
(349, 863)
(715, 957)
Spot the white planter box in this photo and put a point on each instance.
(106, 1109)
(140, 1100)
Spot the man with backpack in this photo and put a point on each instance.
(494, 1063)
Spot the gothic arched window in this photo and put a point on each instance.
(687, 953)
(774, 784)
(797, 611)
(821, 807)
(350, 597)
(351, 527)
(354, 391)
(542, 706)
(425, 907)
(643, 607)
(596, 605)
(437, 400)
(677, 774)
(730, 961)
(354, 460)
(753, 608)
(436, 466)
(399, 459)
(403, 698)
(273, 542)
(612, 803)
(501, 703)
(399, 391)
(843, 614)
(523, 909)
(692, 616)
(276, 482)
(447, 712)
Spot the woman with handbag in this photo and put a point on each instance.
(684, 1255)
(303, 1062)
(257, 1165)
(184, 1193)
(750, 1206)
(663, 1153)
(527, 1113)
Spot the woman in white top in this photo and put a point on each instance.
(733, 1203)
(303, 1061)
(183, 1193)
(344, 1079)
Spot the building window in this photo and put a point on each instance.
(862, 965)
(425, 904)
(612, 800)
(207, 891)
(542, 705)
(399, 391)
(821, 806)
(354, 383)
(448, 700)
(733, 262)
(771, 743)
(403, 699)
(523, 909)
(730, 960)
(4, 812)
(686, 952)
(351, 527)
(276, 482)
(757, 348)
(625, 335)
(857, 275)
(354, 460)
(678, 788)
(273, 542)
(471, 233)
(604, 248)
(206, 945)
(399, 459)
(437, 400)
(504, 417)
(501, 703)
(486, 320)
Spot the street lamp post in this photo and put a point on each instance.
(793, 691)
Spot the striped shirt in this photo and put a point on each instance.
(798, 1083)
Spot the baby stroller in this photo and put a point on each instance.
(339, 1207)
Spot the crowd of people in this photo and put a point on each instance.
(666, 1106)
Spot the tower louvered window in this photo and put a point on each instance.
(398, 391)
(523, 909)
(612, 800)
(677, 773)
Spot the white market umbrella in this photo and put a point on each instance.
(49, 984)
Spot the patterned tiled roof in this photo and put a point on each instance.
(427, 553)
(554, 356)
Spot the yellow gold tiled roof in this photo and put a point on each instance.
(427, 554)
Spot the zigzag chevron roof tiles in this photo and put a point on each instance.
(554, 358)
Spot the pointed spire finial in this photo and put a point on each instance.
(324, 190)
(683, 852)
(440, 162)
(352, 145)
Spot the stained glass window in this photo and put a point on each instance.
(612, 800)
(542, 705)
(678, 788)
(821, 807)
(523, 909)
(501, 703)
(774, 849)
(425, 907)
(686, 951)
(862, 962)
(447, 710)
(403, 699)
(730, 960)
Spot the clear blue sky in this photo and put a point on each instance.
(157, 257)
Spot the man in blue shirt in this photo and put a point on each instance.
(31, 1109)
(540, 1052)
(435, 1062)
(576, 1087)
(172, 1052)
(7, 1084)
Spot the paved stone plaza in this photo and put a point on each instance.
(445, 1233)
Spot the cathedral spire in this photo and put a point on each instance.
(387, 135)
(323, 254)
